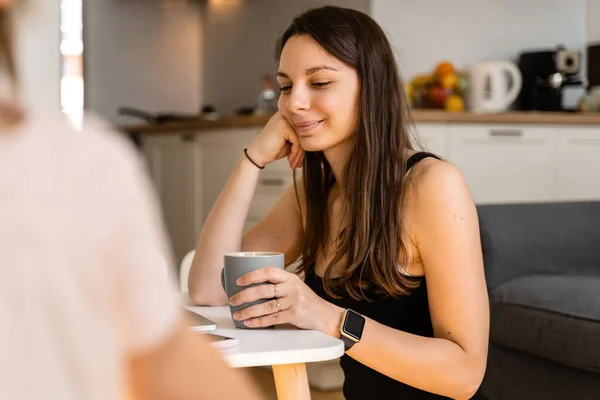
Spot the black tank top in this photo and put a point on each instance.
(406, 313)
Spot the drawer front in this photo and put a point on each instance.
(579, 163)
(505, 163)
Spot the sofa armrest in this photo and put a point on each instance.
(539, 238)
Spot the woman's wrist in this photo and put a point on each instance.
(246, 163)
(259, 166)
(333, 320)
(254, 157)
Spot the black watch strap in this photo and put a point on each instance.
(348, 343)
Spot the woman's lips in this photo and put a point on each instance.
(306, 127)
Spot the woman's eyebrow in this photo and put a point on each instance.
(309, 71)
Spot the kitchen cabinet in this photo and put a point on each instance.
(270, 186)
(501, 163)
(505, 163)
(221, 151)
(578, 163)
(432, 138)
(174, 163)
(189, 171)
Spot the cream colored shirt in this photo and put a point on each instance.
(82, 281)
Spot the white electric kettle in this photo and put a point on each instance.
(493, 85)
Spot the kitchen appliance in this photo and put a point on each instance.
(593, 64)
(546, 74)
(493, 85)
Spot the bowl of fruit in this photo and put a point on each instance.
(445, 88)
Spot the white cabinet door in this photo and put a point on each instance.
(221, 152)
(171, 160)
(505, 163)
(271, 185)
(432, 138)
(578, 163)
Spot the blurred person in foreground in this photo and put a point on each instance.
(86, 310)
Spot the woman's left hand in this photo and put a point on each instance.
(294, 302)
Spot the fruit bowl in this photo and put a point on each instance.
(445, 88)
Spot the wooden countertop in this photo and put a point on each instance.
(511, 117)
(419, 116)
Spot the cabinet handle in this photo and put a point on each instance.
(506, 132)
(188, 137)
(272, 182)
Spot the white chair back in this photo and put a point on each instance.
(184, 270)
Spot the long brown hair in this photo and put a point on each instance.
(10, 112)
(7, 61)
(371, 244)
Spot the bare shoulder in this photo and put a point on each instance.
(433, 173)
(436, 187)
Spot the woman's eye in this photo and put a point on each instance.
(285, 89)
(321, 85)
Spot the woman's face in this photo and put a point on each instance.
(318, 94)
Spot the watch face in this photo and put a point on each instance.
(354, 324)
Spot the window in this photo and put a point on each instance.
(71, 49)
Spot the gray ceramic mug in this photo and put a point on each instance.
(238, 264)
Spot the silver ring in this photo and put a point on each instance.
(274, 290)
(278, 306)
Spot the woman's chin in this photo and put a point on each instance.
(311, 144)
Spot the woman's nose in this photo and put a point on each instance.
(298, 100)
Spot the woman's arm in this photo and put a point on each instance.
(223, 228)
(222, 233)
(445, 225)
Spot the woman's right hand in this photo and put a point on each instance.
(277, 140)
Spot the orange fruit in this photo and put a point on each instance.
(454, 103)
(444, 68)
(449, 81)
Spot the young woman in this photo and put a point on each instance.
(387, 238)
(78, 228)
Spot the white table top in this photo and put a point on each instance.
(282, 345)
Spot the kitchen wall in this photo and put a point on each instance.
(143, 54)
(239, 45)
(464, 31)
(593, 21)
(178, 55)
(37, 40)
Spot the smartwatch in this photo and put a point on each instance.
(351, 328)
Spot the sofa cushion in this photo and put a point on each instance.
(551, 316)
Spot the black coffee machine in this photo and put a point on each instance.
(545, 74)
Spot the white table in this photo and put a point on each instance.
(286, 348)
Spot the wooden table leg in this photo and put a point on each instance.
(291, 382)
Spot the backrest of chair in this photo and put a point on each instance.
(540, 238)
(184, 270)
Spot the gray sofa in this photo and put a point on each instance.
(542, 264)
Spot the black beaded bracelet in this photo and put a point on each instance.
(251, 160)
